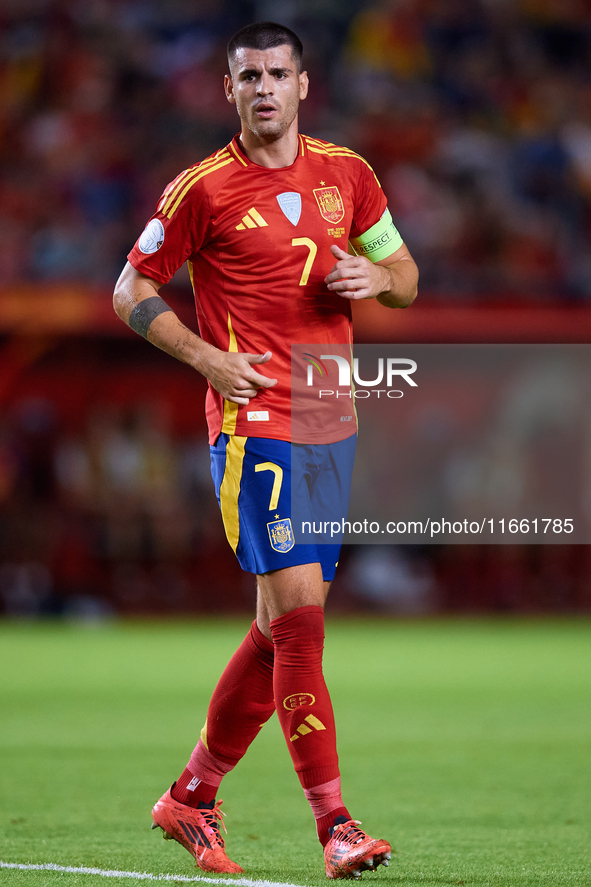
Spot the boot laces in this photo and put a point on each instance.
(349, 833)
(213, 818)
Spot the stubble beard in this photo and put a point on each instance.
(268, 131)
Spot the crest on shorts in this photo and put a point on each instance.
(330, 203)
(281, 534)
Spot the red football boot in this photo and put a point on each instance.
(197, 830)
(350, 851)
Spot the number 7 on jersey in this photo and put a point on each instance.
(313, 249)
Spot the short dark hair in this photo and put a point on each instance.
(265, 35)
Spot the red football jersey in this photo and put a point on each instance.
(257, 242)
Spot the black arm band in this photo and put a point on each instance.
(144, 313)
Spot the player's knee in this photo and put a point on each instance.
(301, 630)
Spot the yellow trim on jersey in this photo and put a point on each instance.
(199, 174)
(329, 147)
(230, 488)
(230, 409)
(336, 152)
(331, 150)
(316, 150)
(302, 144)
(237, 154)
(175, 186)
(170, 212)
(233, 343)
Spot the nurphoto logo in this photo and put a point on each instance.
(389, 371)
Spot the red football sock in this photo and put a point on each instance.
(303, 704)
(241, 703)
(327, 804)
(189, 789)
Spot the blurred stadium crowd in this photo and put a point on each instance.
(117, 514)
(476, 115)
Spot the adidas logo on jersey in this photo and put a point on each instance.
(304, 728)
(252, 219)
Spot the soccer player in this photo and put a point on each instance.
(264, 225)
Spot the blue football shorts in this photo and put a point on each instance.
(274, 497)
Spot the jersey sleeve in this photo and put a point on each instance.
(373, 233)
(176, 231)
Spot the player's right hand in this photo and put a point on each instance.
(234, 377)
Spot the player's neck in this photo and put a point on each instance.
(274, 155)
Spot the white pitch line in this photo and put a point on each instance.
(137, 876)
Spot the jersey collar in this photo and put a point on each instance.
(236, 150)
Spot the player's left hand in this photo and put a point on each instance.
(355, 277)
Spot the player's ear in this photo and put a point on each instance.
(303, 77)
(229, 89)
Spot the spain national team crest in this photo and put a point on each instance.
(281, 534)
(330, 203)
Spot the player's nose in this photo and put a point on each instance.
(264, 86)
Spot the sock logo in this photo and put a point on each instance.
(297, 700)
(193, 784)
(314, 723)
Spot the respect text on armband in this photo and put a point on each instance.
(364, 248)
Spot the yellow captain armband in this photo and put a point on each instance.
(380, 241)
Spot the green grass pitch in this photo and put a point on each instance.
(466, 743)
